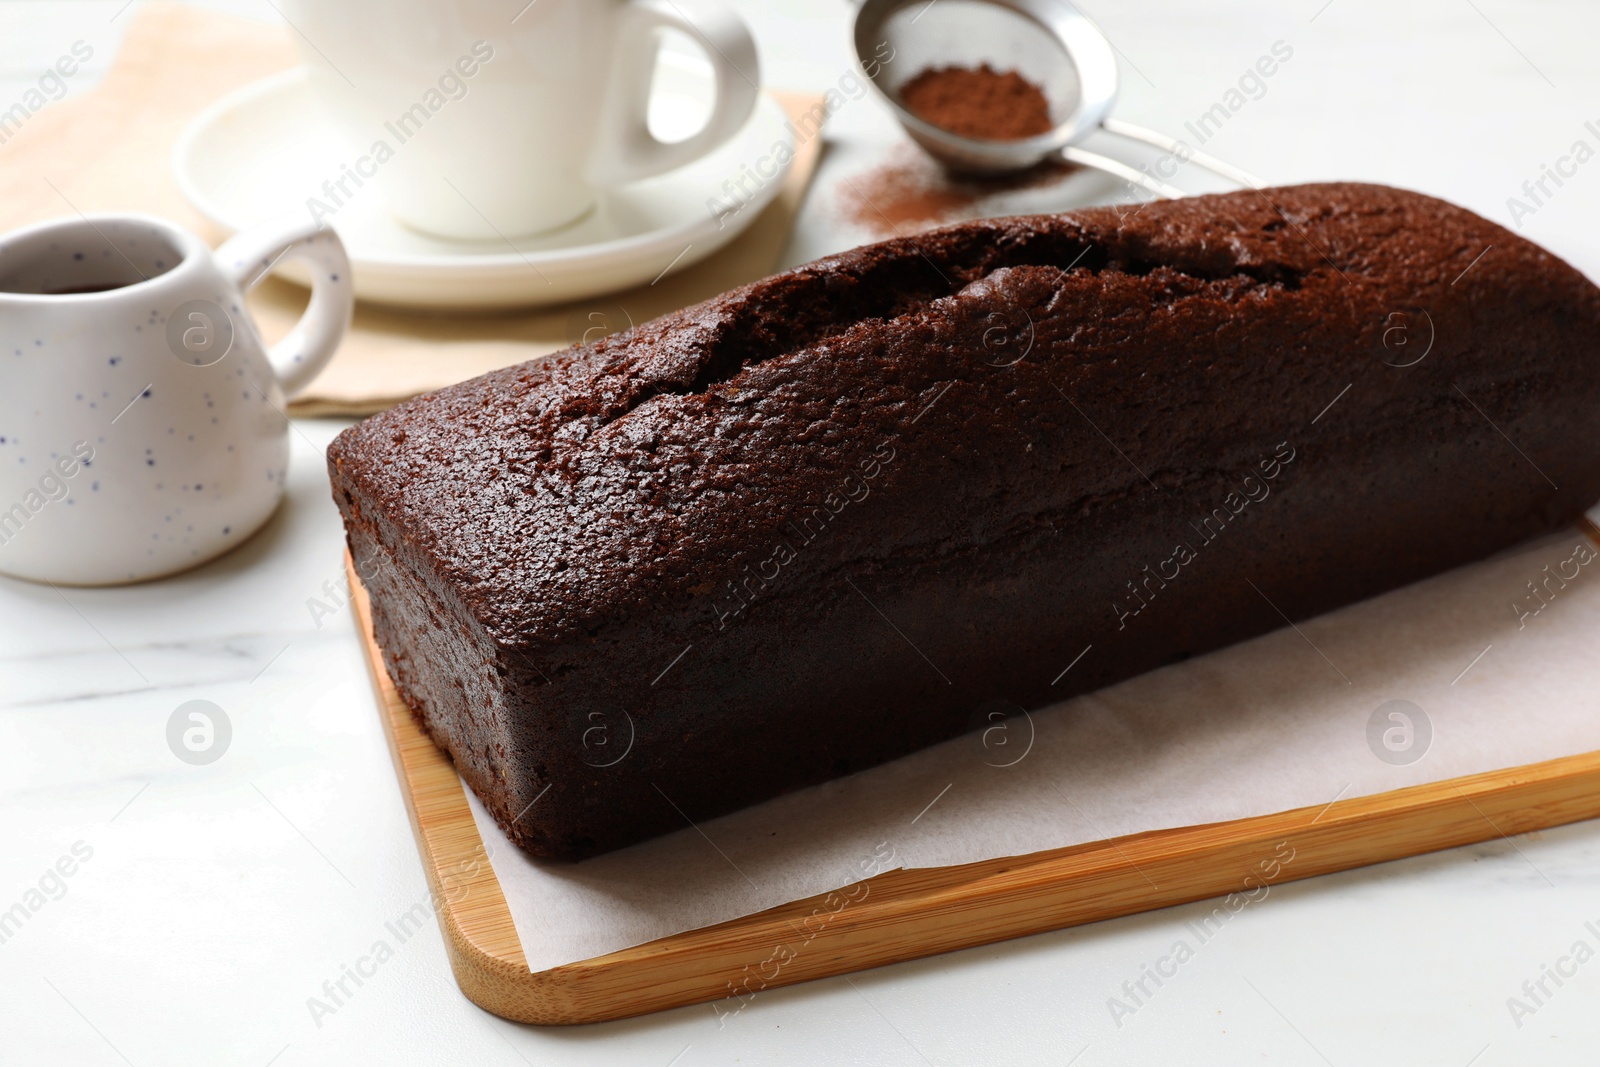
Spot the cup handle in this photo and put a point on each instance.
(628, 150)
(248, 257)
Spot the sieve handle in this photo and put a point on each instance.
(1172, 144)
(1118, 169)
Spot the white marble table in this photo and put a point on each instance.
(215, 900)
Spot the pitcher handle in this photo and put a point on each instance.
(248, 257)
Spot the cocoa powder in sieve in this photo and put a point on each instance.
(978, 102)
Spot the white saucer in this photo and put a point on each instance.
(263, 150)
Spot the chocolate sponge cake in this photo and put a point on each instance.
(821, 521)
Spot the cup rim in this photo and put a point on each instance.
(189, 247)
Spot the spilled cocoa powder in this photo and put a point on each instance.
(978, 102)
(908, 193)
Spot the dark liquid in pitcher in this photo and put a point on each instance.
(76, 289)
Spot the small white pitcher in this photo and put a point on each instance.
(142, 425)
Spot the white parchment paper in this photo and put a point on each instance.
(1275, 723)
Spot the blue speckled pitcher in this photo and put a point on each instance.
(142, 428)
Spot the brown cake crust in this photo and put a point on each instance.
(816, 522)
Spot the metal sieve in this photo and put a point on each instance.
(1048, 42)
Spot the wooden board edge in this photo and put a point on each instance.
(480, 939)
(909, 914)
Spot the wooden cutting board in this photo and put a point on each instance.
(907, 914)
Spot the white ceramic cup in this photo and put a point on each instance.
(478, 120)
(142, 428)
